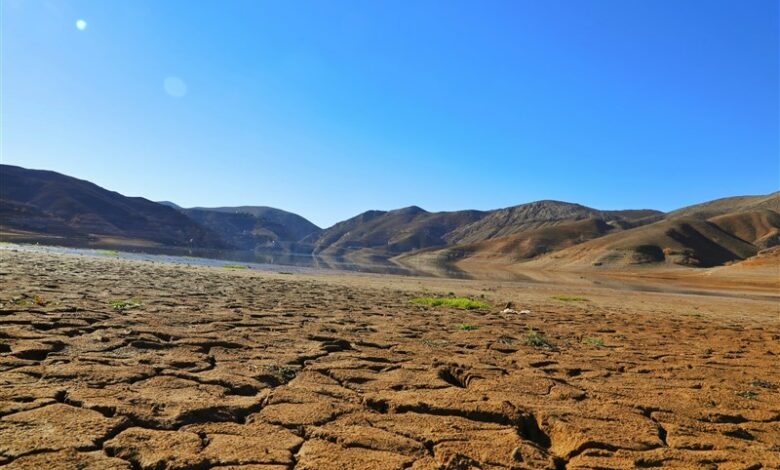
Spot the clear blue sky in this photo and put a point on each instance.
(330, 108)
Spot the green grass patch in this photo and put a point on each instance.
(235, 266)
(455, 302)
(466, 327)
(570, 298)
(107, 252)
(127, 304)
(593, 341)
(537, 339)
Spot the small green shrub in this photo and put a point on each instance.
(536, 339)
(455, 302)
(466, 327)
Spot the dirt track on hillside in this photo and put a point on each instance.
(224, 368)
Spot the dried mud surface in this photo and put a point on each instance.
(238, 369)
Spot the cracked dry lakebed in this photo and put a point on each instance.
(115, 364)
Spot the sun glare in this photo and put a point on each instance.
(81, 25)
(175, 87)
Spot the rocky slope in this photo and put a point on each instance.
(37, 202)
(704, 235)
(388, 233)
(410, 229)
(251, 227)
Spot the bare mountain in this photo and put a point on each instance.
(45, 203)
(539, 214)
(518, 247)
(251, 227)
(409, 229)
(704, 235)
(728, 205)
(550, 234)
(386, 233)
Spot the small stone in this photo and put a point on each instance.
(516, 455)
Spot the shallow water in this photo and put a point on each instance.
(304, 263)
(264, 261)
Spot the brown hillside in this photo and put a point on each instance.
(388, 233)
(728, 205)
(410, 229)
(521, 246)
(536, 215)
(686, 241)
(762, 228)
(49, 203)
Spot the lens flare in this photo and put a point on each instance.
(175, 87)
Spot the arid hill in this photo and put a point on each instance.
(705, 235)
(45, 203)
(729, 205)
(388, 233)
(518, 247)
(544, 234)
(412, 228)
(251, 227)
(687, 241)
(540, 214)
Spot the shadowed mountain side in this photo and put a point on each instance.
(249, 229)
(626, 240)
(686, 241)
(286, 225)
(535, 215)
(46, 203)
(761, 228)
(389, 233)
(519, 247)
(412, 228)
(17, 217)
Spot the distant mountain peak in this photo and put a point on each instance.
(169, 204)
